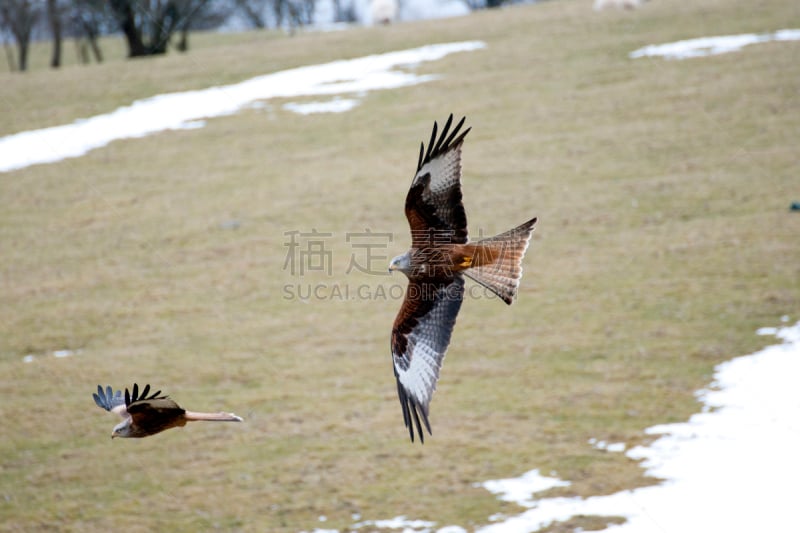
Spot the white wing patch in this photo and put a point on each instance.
(445, 172)
(419, 379)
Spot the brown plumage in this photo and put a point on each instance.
(147, 415)
(439, 258)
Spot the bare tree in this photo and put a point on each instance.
(54, 13)
(89, 19)
(12, 63)
(292, 13)
(344, 13)
(148, 25)
(19, 17)
(199, 14)
(253, 10)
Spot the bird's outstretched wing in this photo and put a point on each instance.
(115, 402)
(420, 337)
(109, 400)
(134, 396)
(433, 204)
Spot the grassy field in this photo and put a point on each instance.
(665, 239)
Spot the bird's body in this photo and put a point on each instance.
(145, 415)
(440, 256)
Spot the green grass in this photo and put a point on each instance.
(664, 241)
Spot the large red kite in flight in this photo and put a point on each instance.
(147, 415)
(439, 258)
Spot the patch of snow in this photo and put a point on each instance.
(520, 489)
(28, 358)
(609, 447)
(707, 46)
(430, 9)
(337, 105)
(192, 125)
(408, 10)
(398, 522)
(63, 353)
(185, 109)
(619, 4)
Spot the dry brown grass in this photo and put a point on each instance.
(664, 241)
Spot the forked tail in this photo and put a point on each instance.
(501, 270)
(213, 417)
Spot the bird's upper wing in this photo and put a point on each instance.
(433, 204)
(134, 395)
(420, 337)
(154, 414)
(109, 400)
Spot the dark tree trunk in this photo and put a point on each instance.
(127, 21)
(91, 36)
(54, 16)
(183, 43)
(19, 16)
(163, 28)
(22, 60)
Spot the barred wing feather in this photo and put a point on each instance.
(420, 337)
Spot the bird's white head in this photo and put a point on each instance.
(123, 429)
(401, 263)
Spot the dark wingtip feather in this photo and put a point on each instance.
(443, 136)
(431, 142)
(127, 397)
(416, 420)
(401, 393)
(412, 413)
(445, 143)
(455, 132)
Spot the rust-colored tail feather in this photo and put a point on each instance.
(505, 251)
(213, 417)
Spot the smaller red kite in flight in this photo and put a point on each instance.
(439, 258)
(147, 415)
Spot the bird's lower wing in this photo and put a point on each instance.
(420, 338)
